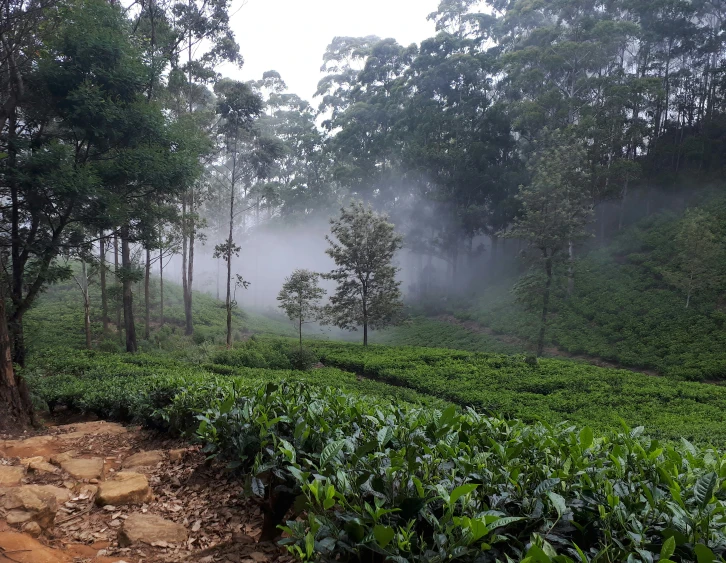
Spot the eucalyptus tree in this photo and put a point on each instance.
(247, 156)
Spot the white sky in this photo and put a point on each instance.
(290, 36)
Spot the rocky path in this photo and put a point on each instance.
(104, 493)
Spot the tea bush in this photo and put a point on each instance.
(549, 391)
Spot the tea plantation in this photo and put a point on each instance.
(407, 454)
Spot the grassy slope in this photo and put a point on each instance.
(623, 310)
(57, 318)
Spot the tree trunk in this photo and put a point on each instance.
(16, 320)
(621, 216)
(104, 296)
(18, 339)
(365, 316)
(147, 296)
(161, 287)
(229, 269)
(117, 273)
(128, 297)
(300, 329)
(570, 269)
(16, 408)
(545, 306)
(184, 248)
(86, 304)
(189, 329)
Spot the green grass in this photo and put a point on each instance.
(56, 319)
(421, 331)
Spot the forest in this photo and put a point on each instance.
(466, 303)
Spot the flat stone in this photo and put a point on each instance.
(30, 503)
(27, 448)
(61, 495)
(84, 468)
(38, 464)
(57, 459)
(150, 529)
(26, 549)
(124, 488)
(11, 475)
(99, 428)
(176, 455)
(144, 459)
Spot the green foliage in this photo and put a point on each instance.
(387, 479)
(550, 391)
(300, 298)
(420, 331)
(363, 246)
(698, 263)
(623, 309)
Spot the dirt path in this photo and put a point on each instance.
(554, 352)
(104, 493)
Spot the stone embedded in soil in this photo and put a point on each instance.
(32, 528)
(176, 455)
(57, 459)
(30, 503)
(85, 429)
(150, 529)
(38, 464)
(124, 488)
(11, 475)
(61, 495)
(28, 447)
(84, 468)
(144, 459)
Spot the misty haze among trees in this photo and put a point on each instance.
(537, 178)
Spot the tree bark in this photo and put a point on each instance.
(128, 297)
(545, 305)
(147, 296)
(16, 408)
(86, 304)
(365, 317)
(189, 329)
(570, 269)
(117, 273)
(229, 269)
(104, 296)
(161, 287)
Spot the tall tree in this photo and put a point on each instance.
(363, 246)
(556, 210)
(247, 157)
(697, 264)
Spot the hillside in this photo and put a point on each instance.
(623, 310)
(62, 306)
